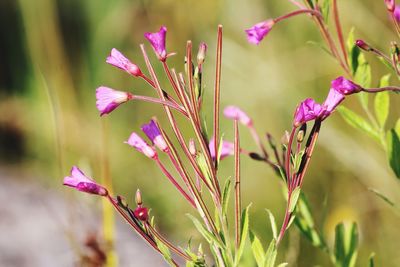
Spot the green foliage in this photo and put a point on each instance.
(293, 200)
(270, 256)
(225, 196)
(393, 150)
(346, 244)
(358, 122)
(382, 102)
(273, 224)
(244, 230)
(165, 252)
(257, 249)
(211, 239)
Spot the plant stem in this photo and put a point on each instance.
(159, 101)
(382, 89)
(217, 93)
(174, 182)
(340, 32)
(238, 204)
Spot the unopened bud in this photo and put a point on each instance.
(201, 55)
(390, 5)
(141, 213)
(395, 51)
(271, 140)
(300, 136)
(285, 138)
(363, 45)
(192, 147)
(138, 198)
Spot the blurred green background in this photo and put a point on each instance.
(53, 59)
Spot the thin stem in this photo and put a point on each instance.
(217, 92)
(189, 73)
(257, 139)
(171, 80)
(298, 12)
(238, 204)
(134, 226)
(159, 101)
(167, 243)
(174, 182)
(148, 80)
(289, 156)
(396, 24)
(382, 89)
(380, 54)
(285, 223)
(340, 32)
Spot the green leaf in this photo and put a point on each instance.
(346, 243)
(354, 52)
(294, 198)
(382, 102)
(165, 252)
(205, 233)
(273, 224)
(393, 145)
(325, 9)
(225, 196)
(371, 259)
(244, 229)
(270, 255)
(257, 249)
(382, 196)
(357, 121)
(397, 127)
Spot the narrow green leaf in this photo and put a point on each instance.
(273, 224)
(225, 196)
(257, 249)
(353, 50)
(346, 244)
(393, 145)
(371, 260)
(397, 127)
(357, 121)
(382, 196)
(325, 9)
(244, 230)
(294, 198)
(205, 233)
(165, 252)
(353, 246)
(270, 255)
(382, 101)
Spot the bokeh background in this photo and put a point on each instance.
(53, 59)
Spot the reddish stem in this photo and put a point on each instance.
(340, 32)
(217, 91)
(238, 204)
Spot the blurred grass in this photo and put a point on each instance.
(62, 45)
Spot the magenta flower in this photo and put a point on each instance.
(118, 60)
(256, 33)
(154, 134)
(363, 45)
(109, 99)
(333, 99)
(141, 213)
(396, 13)
(137, 142)
(227, 149)
(81, 182)
(157, 41)
(390, 5)
(307, 110)
(344, 86)
(235, 113)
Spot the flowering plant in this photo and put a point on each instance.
(196, 159)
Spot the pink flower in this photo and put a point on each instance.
(227, 149)
(157, 41)
(154, 134)
(235, 113)
(137, 142)
(396, 13)
(307, 110)
(79, 181)
(333, 99)
(109, 99)
(390, 5)
(344, 86)
(141, 213)
(256, 33)
(120, 61)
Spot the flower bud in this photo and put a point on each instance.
(192, 147)
(301, 133)
(395, 51)
(390, 5)
(363, 45)
(285, 138)
(138, 198)
(201, 55)
(141, 213)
